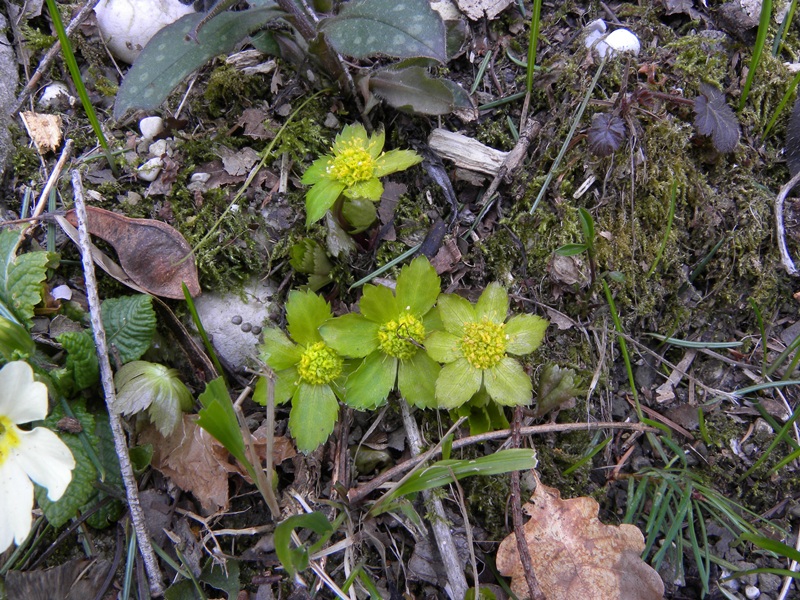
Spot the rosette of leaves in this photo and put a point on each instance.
(144, 385)
(475, 347)
(352, 170)
(388, 336)
(307, 369)
(308, 257)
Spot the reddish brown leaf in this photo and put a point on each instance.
(153, 254)
(574, 555)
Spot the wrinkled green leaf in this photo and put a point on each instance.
(130, 322)
(399, 28)
(107, 455)
(413, 89)
(169, 57)
(21, 276)
(80, 490)
(81, 357)
(555, 387)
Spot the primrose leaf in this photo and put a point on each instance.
(169, 57)
(399, 28)
(21, 277)
(713, 117)
(107, 455)
(80, 490)
(412, 88)
(130, 322)
(606, 134)
(81, 357)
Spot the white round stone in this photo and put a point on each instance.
(127, 25)
(151, 169)
(53, 95)
(619, 41)
(151, 127)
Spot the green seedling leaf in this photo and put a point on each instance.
(399, 28)
(556, 386)
(80, 490)
(130, 322)
(141, 457)
(169, 57)
(81, 358)
(145, 385)
(413, 89)
(587, 225)
(571, 249)
(442, 472)
(295, 560)
(225, 578)
(15, 341)
(21, 276)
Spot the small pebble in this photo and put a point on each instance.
(150, 170)
(246, 327)
(200, 177)
(237, 320)
(151, 127)
(158, 148)
(55, 95)
(752, 592)
(256, 330)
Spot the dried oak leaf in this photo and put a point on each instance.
(713, 117)
(574, 555)
(153, 254)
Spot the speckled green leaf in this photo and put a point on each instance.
(130, 322)
(399, 28)
(413, 89)
(169, 57)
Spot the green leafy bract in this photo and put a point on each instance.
(296, 559)
(130, 322)
(399, 28)
(169, 57)
(21, 277)
(145, 385)
(81, 358)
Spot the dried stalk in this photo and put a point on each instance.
(107, 379)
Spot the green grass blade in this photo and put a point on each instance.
(761, 39)
(533, 41)
(671, 215)
(75, 73)
(781, 105)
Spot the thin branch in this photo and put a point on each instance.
(786, 259)
(107, 379)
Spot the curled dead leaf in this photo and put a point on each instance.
(574, 555)
(153, 254)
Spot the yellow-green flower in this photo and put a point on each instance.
(388, 335)
(353, 169)
(475, 348)
(307, 370)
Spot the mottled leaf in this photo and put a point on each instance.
(413, 89)
(81, 357)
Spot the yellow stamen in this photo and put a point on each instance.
(484, 343)
(352, 163)
(9, 438)
(400, 338)
(319, 364)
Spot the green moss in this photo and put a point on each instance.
(26, 162)
(228, 90)
(35, 40)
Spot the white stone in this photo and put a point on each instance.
(159, 148)
(54, 95)
(151, 127)
(150, 170)
(200, 177)
(61, 292)
(619, 41)
(127, 25)
(752, 592)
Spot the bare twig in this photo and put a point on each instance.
(51, 181)
(107, 379)
(441, 530)
(786, 259)
(360, 493)
(515, 157)
(516, 515)
(44, 64)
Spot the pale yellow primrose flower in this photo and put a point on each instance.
(37, 455)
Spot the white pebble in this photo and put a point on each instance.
(618, 41)
(200, 177)
(150, 170)
(151, 127)
(55, 95)
(158, 148)
(61, 292)
(752, 592)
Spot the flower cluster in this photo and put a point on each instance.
(353, 170)
(38, 454)
(399, 341)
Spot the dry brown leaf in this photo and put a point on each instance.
(574, 555)
(193, 460)
(153, 254)
(44, 130)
